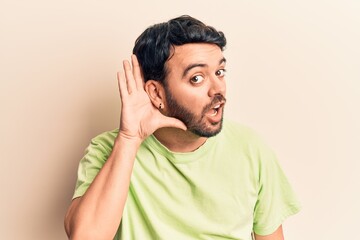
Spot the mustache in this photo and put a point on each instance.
(219, 98)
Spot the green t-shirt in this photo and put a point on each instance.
(228, 188)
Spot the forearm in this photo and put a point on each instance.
(277, 235)
(98, 213)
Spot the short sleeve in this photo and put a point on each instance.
(95, 157)
(276, 198)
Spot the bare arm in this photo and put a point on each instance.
(277, 235)
(97, 214)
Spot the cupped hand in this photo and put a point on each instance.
(139, 117)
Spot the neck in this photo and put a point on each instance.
(177, 140)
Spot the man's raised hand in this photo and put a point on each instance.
(139, 117)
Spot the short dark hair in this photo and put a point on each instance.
(153, 46)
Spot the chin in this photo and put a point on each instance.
(207, 132)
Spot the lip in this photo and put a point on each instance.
(215, 118)
(219, 104)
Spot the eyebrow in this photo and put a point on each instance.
(194, 65)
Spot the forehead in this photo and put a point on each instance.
(194, 53)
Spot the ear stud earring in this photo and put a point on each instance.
(160, 106)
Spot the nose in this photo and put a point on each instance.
(217, 86)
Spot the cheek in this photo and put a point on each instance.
(188, 96)
(192, 99)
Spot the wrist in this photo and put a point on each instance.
(126, 139)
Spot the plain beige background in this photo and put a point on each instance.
(293, 75)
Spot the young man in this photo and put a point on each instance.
(174, 169)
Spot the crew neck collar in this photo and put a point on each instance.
(181, 157)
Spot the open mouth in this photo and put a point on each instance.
(215, 110)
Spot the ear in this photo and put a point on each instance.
(156, 93)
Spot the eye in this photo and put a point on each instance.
(220, 72)
(197, 79)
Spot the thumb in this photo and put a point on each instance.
(172, 122)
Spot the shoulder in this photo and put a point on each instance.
(103, 142)
(240, 133)
(107, 137)
(245, 139)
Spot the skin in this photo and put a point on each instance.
(277, 235)
(195, 80)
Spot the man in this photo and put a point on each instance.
(172, 170)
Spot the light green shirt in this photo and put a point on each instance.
(229, 187)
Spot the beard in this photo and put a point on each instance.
(195, 123)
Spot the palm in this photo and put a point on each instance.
(139, 118)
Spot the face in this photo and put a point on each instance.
(195, 87)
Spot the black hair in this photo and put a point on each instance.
(153, 46)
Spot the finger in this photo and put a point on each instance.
(137, 72)
(172, 122)
(129, 77)
(122, 85)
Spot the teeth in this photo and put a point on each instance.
(215, 110)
